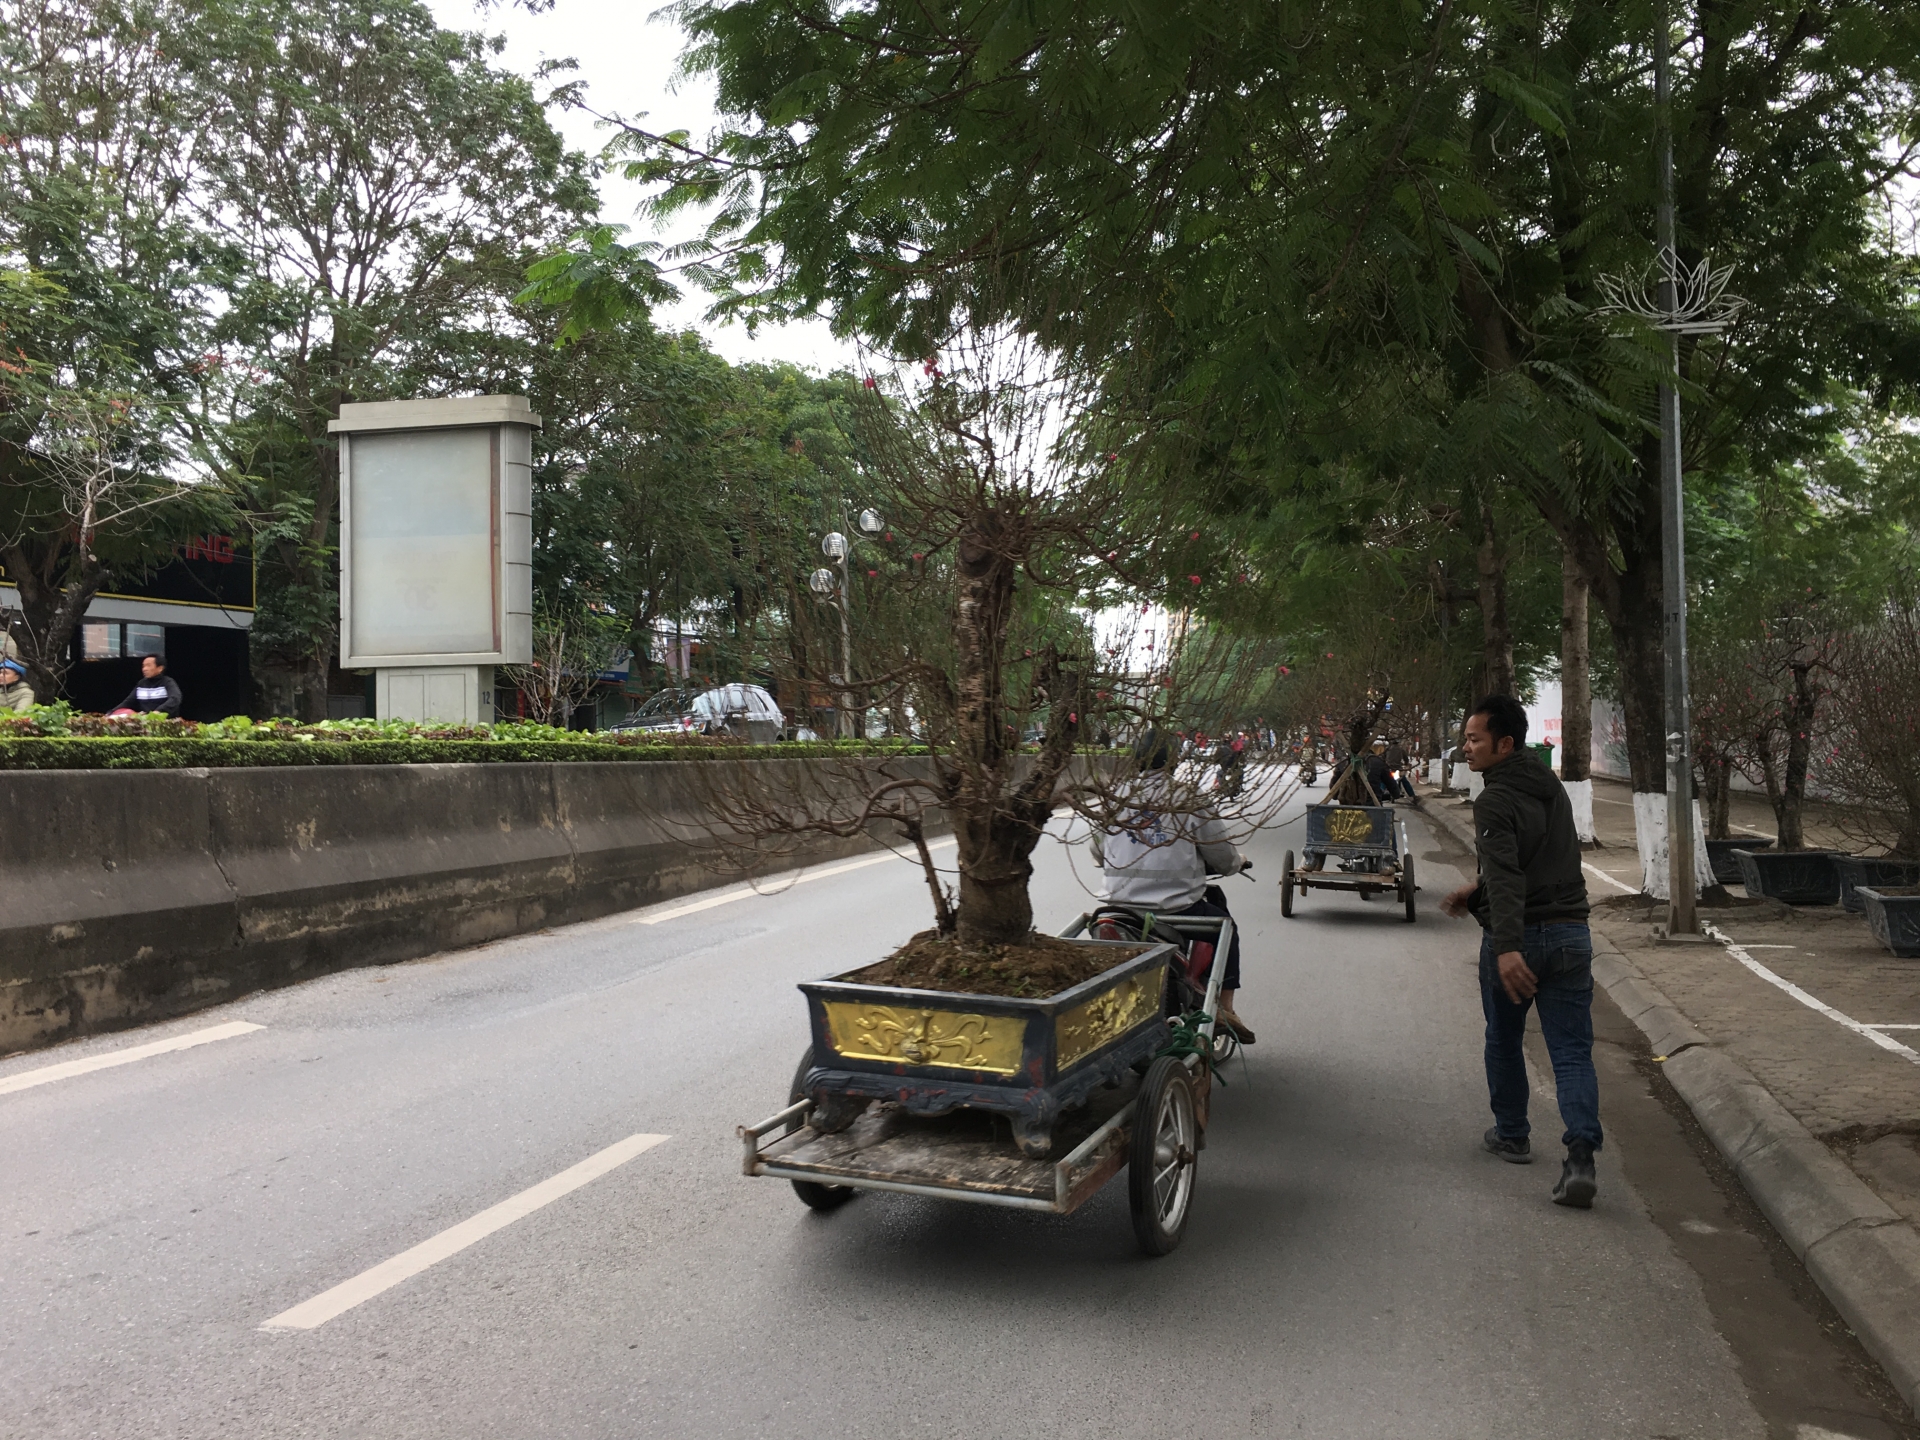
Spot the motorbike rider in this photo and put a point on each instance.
(1400, 772)
(1158, 855)
(1231, 756)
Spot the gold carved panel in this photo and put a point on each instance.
(926, 1037)
(1349, 827)
(1109, 1015)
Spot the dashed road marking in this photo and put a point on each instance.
(47, 1074)
(747, 892)
(311, 1314)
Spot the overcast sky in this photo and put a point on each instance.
(627, 60)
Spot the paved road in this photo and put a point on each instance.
(1355, 1266)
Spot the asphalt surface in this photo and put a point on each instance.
(1355, 1265)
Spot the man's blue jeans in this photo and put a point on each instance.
(1561, 958)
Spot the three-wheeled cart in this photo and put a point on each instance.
(1027, 1104)
(1358, 848)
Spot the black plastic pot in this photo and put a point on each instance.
(1799, 877)
(1881, 872)
(1893, 915)
(1726, 869)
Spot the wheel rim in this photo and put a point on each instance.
(1173, 1136)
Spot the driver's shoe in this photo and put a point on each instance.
(1233, 1023)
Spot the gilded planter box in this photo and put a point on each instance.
(932, 1051)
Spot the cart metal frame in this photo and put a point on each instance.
(1365, 883)
(1076, 1177)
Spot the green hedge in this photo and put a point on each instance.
(156, 753)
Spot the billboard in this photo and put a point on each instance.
(436, 532)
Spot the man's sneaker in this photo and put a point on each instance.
(1577, 1184)
(1237, 1026)
(1514, 1152)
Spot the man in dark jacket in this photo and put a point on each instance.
(156, 689)
(1536, 949)
(1399, 767)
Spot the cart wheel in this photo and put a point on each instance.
(817, 1196)
(1286, 886)
(1161, 1156)
(1407, 886)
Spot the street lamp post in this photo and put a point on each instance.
(1687, 301)
(836, 548)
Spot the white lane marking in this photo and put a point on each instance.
(1620, 885)
(311, 1314)
(1738, 952)
(47, 1074)
(747, 892)
(1628, 805)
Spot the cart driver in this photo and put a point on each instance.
(1159, 856)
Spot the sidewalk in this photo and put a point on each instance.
(1795, 1040)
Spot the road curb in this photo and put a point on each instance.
(1861, 1254)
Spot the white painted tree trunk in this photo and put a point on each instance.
(1580, 793)
(1465, 779)
(1436, 772)
(1650, 832)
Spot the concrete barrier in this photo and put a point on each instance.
(134, 895)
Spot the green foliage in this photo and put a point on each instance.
(1358, 244)
(167, 753)
(53, 737)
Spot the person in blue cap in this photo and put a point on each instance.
(15, 693)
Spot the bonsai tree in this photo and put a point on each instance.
(1025, 594)
(1871, 758)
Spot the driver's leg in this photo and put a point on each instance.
(1230, 979)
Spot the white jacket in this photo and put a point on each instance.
(1160, 861)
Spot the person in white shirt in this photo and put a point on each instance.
(1158, 855)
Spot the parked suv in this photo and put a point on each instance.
(745, 711)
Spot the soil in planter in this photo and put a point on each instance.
(1044, 966)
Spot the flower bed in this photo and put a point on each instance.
(51, 737)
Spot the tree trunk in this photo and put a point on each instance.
(1716, 785)
(53, 601)
(1576, 676)
(1769, 762)
(1629, 591)
(1790, 806)
(313, 684)
(1496, 629)
(995, 842)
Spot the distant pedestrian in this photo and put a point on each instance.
(156, 690)
(16, 694)
(1399, 779)
(1536, 949)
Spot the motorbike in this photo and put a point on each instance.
(1187, 981)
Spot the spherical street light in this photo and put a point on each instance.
(834, 545)
(822, 581)
(871, 522)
